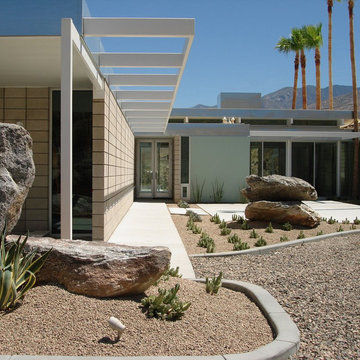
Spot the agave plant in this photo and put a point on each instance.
(17, 271)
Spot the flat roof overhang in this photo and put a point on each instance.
(35, 61)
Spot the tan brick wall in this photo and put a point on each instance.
(113, 166)
(30, 108)
(177, 168)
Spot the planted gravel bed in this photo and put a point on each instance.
(316, 283)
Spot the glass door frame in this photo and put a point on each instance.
(153, 194)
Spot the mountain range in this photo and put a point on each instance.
(282, 98)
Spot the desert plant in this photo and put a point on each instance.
(240, 219)
(234, 238)
(356, 221)
(223, 224)
(346, 221)
(331, 220)
(169, 272)
(324, 219)
(198, 191)
(225, 231)
(238, 246)
(166, 305)
(190, 224)
(210, 247)
(319, 233)
(287, 226)
(218, 191)
(301, 235)
(353, 226)
(261, 242)
(212, 286)
(245, 225)
(339, 229)
(17, 270)
(215, 219)
(269, 228)
(182, 204)
(205, 240)
(196, 229)
(284, 238)
(254, 234)
(193, 216)
(234, 217)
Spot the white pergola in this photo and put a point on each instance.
(145, 110)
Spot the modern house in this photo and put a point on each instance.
(100, 119)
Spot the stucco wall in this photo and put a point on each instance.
(113, 166)
(29, 107)
(224, 159)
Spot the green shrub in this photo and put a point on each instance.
(166, 305)
(319, 233)
(225, 231)
(238, 246)
(190, 224)
(353, 226)
(212, 286)
(254, 234)
(215, 219)
(339, 229)
(198, 191)
(261, 242)
(210, 247)
(240, 219)
(234, 238)
(218, 191)
(17, 271)
(346, 221)
(284, 238)
(269, 229)
(287, 226)
(205, 240)
(223, 224)
(301, 235)
(245, 225)
(356, 221)
(193, 216)
(196, 229)
(331, 220)
(182, 204)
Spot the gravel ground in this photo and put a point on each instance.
(316, 283)
(52, 321)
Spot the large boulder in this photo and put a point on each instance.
(97, 268)
(17, 172)
(278, 188)
(294, 212)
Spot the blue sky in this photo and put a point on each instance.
(233, 48)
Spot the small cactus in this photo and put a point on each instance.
(254, 234)
(239, 246)
(356, 221)
(269, 229)
(183, 204)
(245, 225)
(212, 286)
(215, 219)
(287, 226)
(301, 235)
(261, 242)
(319, 233)
(234, 238)
(193, 216)
(284, 238)
(234, 217)
(223, 224)
(225, 231)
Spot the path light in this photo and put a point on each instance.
(117, 325)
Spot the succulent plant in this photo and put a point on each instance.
(212, 286)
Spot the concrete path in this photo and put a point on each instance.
(326, 208)
(150, 224)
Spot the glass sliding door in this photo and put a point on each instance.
(256, 158)
(154, 169)
(302, 162)
(325, 169)
(274, 158)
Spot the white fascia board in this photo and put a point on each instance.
(147, 119)
(151, 113)
(138, 27)
(142, 80)
(139, 60)
(144, 105)
(143, 95)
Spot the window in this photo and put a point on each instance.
(184, 159)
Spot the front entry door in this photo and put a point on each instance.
(154, 169)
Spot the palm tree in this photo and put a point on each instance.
(285, 45)
(330, 4)
(313, 40)
(303, 66)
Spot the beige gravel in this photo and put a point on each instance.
(52, 321)
(222, 245)
(316, 283)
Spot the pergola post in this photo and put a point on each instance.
(288, 169)
(66, 128)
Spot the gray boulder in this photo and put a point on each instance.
(294, 212)
(278, 188)
(17, 172)
(99, 269)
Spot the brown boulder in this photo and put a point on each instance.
(278, 188)
(294, 212)
(17, 172)
(97, 268)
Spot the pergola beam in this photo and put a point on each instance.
(142, 80)
(144, 105)
(137, 27)
(153, 113)
(143, 95)
(139, 60)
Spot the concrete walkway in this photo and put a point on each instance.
(150, 224)
(325, 208)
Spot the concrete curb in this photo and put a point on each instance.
(269, 248)
(285, 344)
